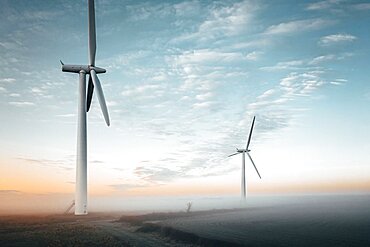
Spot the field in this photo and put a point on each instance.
(299, 221)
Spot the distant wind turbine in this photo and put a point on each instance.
(246, 151)
(84, 103)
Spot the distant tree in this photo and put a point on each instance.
(189, 207)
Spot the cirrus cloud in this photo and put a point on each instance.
(336, 38)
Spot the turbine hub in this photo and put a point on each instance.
(78, 68)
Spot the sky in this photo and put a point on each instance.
(184, 80)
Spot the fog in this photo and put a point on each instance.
(16, 203)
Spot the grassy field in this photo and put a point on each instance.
(299, 221)
(53, 231)
(335, 220)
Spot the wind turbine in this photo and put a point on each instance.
(246, 151)
(84, 103)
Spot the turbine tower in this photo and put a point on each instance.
(84, 103)
(246, 151)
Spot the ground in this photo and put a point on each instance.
(299, 221)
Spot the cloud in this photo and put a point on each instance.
(361, 6)
(294, 64)
(200, 165)
(302, 84)
(187, 8)
(204, 69)
(322, 5)
(338, 82)
(203, 97)
(328, 57)
(127, 186)
(297, 26)
(222, 21)
(324, 58)
(37, 91)
(268, 93)
(146, 10)
(257, 43)
(96, 162)
(66, 115)
(305, 64)
(208, 56)
(153, 89)
(203, 105)
(336, 38)
(21, 103)
(63, 164)
(254, 56)
(112, 103)
(156, 173)
(229, 19)
(8, 80)
(2, 192)
(271, 106)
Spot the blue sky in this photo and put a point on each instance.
(183, 81)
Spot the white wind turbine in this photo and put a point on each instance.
(84, 103)
(246, 151)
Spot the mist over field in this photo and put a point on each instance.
(57, 204)
(295, 220)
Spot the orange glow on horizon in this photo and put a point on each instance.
(29, 179)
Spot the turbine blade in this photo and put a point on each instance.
(90, 91)
(253, 164)
(232, 154)
(92, 34)
(100, 94)
(250, 134)
(61, 62)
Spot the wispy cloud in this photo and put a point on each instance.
(274, 106)
(127, 186)
(302, 84)
(68, 115)
(21, 103)
(153, 89)
(322, 5)
(339, 81)
(204, 96)
(337, 6)
(336, 38)
(207, 55)
(203, 105)
(294, 64)
(298, 26)
(254, 55)
(361, 6)
(63, 164)
(323, 58)
(156, 173)
(223, 21)
(8, 80)
(7, 192)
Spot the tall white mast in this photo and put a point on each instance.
(81, 163)
(84, 102)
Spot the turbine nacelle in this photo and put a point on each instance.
(242, 150)
(78, 68)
